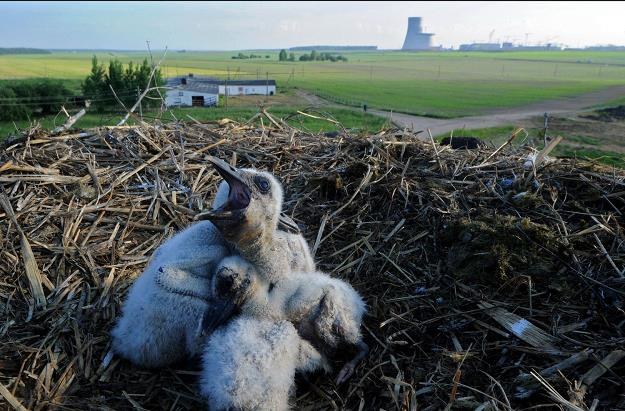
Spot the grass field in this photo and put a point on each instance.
(581, 139)
(439, 84)
(350, 119)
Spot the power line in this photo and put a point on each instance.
(44, 99)
(65, 101)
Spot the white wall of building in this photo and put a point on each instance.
(175, 98)
(244, 90)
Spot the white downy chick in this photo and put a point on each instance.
(249, 218)
(250, 364)
(159, 320)
(288, 231)
(326, 311)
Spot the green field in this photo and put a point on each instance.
(438, 84)
(355, 121)
(573, 145)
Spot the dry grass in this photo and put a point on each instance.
(397, 217)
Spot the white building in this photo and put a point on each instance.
(247, 87)
(187, 94)
(181, 90)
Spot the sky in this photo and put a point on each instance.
(274, 25)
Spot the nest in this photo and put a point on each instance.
(489, 285)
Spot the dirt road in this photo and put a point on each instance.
(494, 118)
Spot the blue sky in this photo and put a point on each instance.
(246, 25)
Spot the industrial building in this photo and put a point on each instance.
(416, 39)
(507, 46)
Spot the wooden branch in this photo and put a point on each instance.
(30, 264)
(145, 92)
(72, 119)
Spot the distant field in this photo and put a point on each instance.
(439, 84)
(585, 139)
(348, 118)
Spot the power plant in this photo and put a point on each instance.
(416, 39)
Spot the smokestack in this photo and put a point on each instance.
(416, 39)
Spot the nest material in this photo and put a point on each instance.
(476, 271)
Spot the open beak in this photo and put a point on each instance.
(239, 196)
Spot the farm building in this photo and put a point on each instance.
(233, 87)
(191, 93)
(247, 87)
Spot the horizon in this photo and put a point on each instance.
(277, 25)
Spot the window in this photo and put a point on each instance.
(181, 93)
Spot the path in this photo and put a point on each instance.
(494, 118)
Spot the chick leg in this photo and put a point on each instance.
(348, 369)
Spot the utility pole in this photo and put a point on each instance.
(140, 106)
(226, 89)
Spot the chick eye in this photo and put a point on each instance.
(262, 183)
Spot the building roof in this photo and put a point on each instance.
(177, 82)
(199, 87)
(249, 82)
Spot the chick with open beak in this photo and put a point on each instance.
(247, 211)
(161, 317)
(252, 209)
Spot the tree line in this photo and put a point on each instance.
(242, 56)
(23, 99)
(22, 50)
(313, 56)
(128, 82)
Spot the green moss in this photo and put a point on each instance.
(495, 249)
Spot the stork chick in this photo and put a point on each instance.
(249, 219)
(250, 364)
(326, 311)
(159, 319)
(158, 325)
(298, 250)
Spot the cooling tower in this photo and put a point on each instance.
(416, 39)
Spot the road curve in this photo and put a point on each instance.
(493, 118)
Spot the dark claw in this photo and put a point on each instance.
(348, 369)
(345, 374)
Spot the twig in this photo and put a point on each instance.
(145, 92)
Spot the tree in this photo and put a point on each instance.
(282, 55)
(53, 95)
(292, 57)
(127, 82)
(314, 55)
(115, 78)
(94, 87)
(23, 98)
(11, 109)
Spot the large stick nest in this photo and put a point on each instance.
(476, 273)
